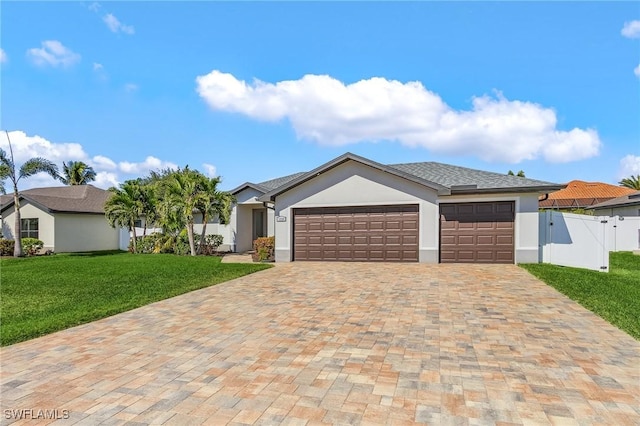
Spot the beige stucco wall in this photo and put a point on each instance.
(84, 232)
(355, 184)
(46, 231)
(526, 220)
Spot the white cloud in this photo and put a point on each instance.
(105, 180)
(3, 56)
(131, 87)
(209, 170)
(101, 162)
(108, 173)
(116, 26)
(53, 53)
(629, 165)
(97, 66)
(150, 163)
(631, 29)
(25, 147)
(329, 112)
(636, 71)
(94, 7)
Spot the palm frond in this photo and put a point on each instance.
(38, 165)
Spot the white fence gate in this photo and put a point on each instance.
(585, 241)
(624, 233)
(574, 240)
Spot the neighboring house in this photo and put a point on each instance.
(580, 195)
(355, 209)
(65, 218)
(628, 205)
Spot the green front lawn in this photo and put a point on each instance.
(615, 296)
(41, 295)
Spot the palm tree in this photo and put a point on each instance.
(125, 207)
(183, 194)
(213, 203)
(77, 173)
(29, 168)
(632, 182)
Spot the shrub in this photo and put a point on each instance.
(6, 247)
(210, 244)
(177, 244)
(32, 246)
(264, 249)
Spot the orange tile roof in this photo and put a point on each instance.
(583, 194)
(581, 189)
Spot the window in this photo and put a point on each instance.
(137, 223)
(29, 228)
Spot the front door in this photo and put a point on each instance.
(259, 222)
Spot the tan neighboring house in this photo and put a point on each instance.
(628, 205)
(579, 194)
(65, 218)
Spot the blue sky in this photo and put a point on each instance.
(252, 91)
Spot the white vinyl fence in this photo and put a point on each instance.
(585, 241)
(624, 234)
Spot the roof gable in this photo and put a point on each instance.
(304, 177)
(446, 179)
(63, 199)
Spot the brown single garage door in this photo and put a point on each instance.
(363, 234)
(477, 232)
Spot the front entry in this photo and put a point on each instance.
(259, 223)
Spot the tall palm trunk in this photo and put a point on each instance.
(205, 219)
(192, 244)
(17, 247)
(135, 238)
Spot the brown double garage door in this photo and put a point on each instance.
(469, 232)
(362, 234)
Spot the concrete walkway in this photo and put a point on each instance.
(320, 343)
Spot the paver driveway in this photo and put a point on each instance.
(312, 343)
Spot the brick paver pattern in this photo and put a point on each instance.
(339, 343)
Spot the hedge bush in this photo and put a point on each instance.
(32, 246)
(161, 243)
(6, 247)
(264, 249)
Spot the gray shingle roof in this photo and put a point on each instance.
(277, 182)
(449, 176)
(444, 178)
(64, 199)
(625, 200)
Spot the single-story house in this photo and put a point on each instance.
(581, 195)
(356, 209)
(64, 218)
(628, 205)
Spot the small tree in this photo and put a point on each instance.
(124, 207)
(213, 203)
(632, 182)
(29, 168)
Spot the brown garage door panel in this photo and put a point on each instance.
(376, 233)
(477, 232)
